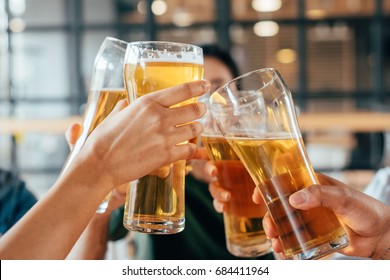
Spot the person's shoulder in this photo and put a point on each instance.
(15, 199)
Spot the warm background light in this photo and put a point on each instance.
(286, 56)
(266, 28)
(159, 7)
(17, 25)
(182, 18)
(266, 5)
(316, 14)
(141, 7)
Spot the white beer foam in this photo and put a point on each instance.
(183, 57)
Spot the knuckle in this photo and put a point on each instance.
(157, 120)
(191, 149)
(187, 90)
(196, 109)
(315, 193)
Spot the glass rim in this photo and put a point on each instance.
(176, 44)
(110, 42)
(267, 69)
(115, 40)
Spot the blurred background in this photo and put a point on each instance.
(333, 54)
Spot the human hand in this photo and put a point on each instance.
(137, 139)
(201, 167)
(366, 220)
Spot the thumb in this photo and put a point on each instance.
(72, 134)
(350, 205)
(119, 106)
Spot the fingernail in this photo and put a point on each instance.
(213, 172)
(225, 195)
(213, 179)
(298, 197)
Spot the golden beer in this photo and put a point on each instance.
(278, 169)
(99, 105)
(156, 201)
(244, 232)
(155, 76)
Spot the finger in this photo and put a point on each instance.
(185, 114)
(350, 204)
(174, 95)
(210, 169)
(118, 195)
(256, 196)
(277, 246)
(269, 226)
(200, 154)
(120, 106)
(219, 193)
(218, 206)
(72, 134)
(182, 151)
(122, 189)
(116, 200)
(185, 132)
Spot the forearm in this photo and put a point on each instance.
(51, 228)
(92, 244)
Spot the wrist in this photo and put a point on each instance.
(89, 170)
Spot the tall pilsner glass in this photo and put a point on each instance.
(243, 219)
(261, 126)
(155, 202)
(106, 89)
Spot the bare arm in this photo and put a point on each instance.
(52, 226)
(92, 244)
(146, 128)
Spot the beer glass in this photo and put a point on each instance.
(243, 219)
(106, 89)
(155, 202)
(261, 126)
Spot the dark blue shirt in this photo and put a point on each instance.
(15, 200)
